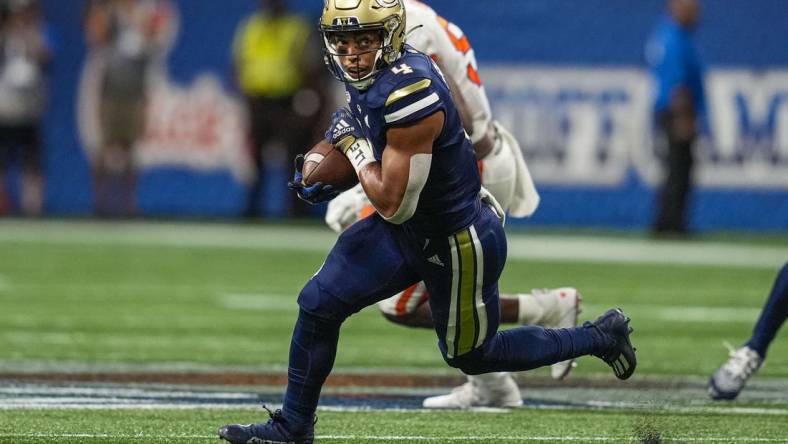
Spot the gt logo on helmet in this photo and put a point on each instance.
(387, 3)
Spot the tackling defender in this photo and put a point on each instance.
(504, 173)
(433, 222)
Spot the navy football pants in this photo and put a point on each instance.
(373, 260)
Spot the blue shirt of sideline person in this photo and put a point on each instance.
(679, 107)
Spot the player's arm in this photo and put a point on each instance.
(450, 48)
(394, 184)
(683, 112)
(483, 145)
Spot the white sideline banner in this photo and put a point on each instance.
(590, 126)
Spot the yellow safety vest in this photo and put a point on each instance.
(268, 52)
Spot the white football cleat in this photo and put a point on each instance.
(729, 379)
(561, 308)
(490, 390)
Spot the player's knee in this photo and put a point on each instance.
(316, 300)
(470, 363)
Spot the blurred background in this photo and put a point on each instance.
(142, 109)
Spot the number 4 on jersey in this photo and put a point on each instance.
(402, 69)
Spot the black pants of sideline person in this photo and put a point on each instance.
(273, 120)
(674, 193)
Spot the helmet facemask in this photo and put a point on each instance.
(351, 48)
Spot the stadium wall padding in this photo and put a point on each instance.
(567, 76)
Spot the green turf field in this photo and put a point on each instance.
(84, 297)
(376, 427)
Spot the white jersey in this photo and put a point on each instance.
(447, 44)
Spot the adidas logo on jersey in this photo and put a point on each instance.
(341, 129)
(434, 259)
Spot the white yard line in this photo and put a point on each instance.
(705, 314)
(259, 301)
(287, 303)
(108, 405)
(169, 234)
(565, 438)
(28, 338)
(683, 314)
(119, 397)
(319, 240)
(36, 391)
(28, 366)
(404, 438)
(646, 251)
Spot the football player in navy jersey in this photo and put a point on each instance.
(403, 136)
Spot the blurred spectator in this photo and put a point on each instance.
(26, 50)
(679, 103)
(279, 69)
(126, 32)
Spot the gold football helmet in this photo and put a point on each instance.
(385, 16)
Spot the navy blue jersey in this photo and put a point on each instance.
(411, 89)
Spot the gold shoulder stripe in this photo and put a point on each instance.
(408, 90)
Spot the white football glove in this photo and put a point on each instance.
(343, 210)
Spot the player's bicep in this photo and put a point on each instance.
(406, 165)
(417, 137)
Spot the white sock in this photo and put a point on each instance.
(488, 380)
(530, 311)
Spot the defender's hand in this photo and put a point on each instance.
(313, 194)
(343, 211)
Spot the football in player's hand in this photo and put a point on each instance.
(326, 164)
